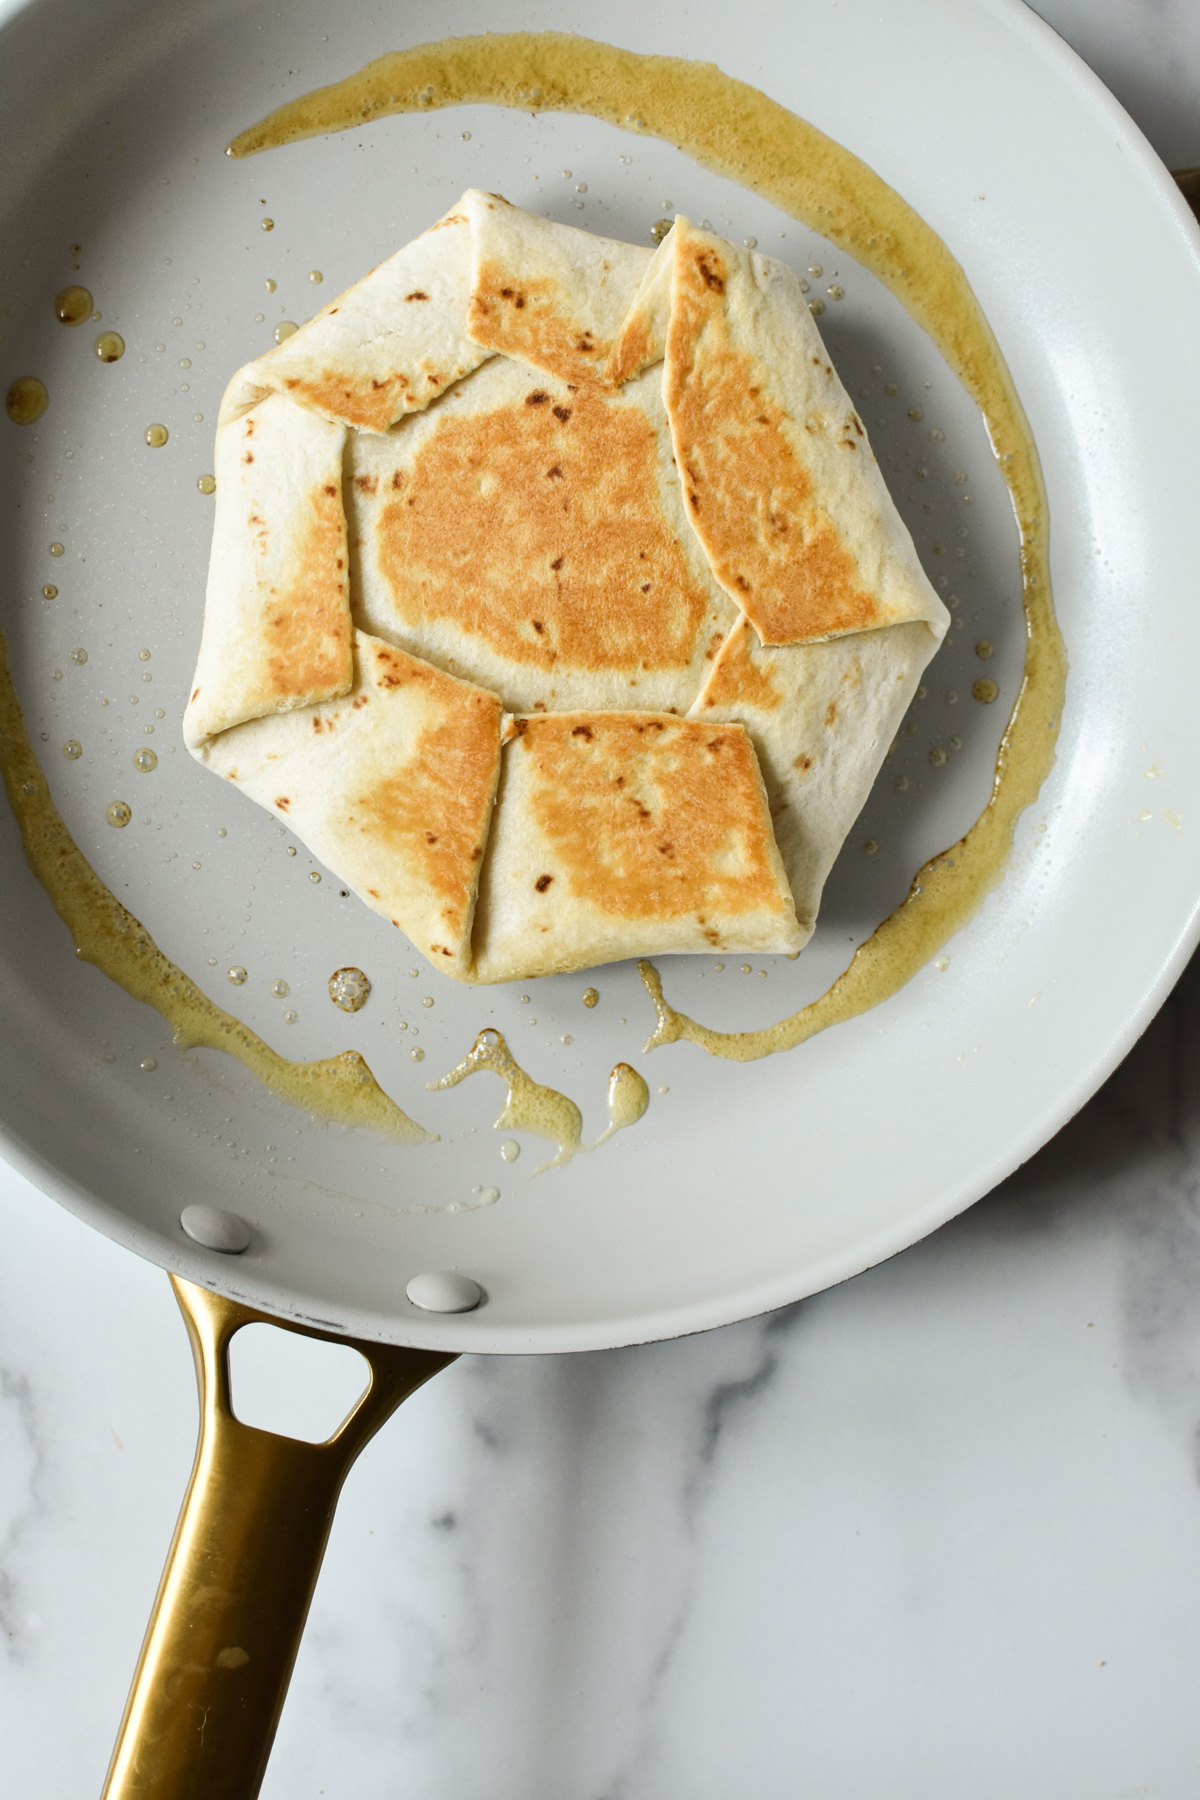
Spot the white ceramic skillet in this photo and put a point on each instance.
(746, 1185)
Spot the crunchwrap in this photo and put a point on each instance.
(556, 600)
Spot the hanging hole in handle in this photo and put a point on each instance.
(296, 1387)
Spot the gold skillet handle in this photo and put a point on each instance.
(222, 1640)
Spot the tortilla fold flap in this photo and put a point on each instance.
(547, 294)
(821, 717)
(390, 344)
(628, 834)
(778, 477)
(277, 606)
(392, 786)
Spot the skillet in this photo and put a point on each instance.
(746, 1185)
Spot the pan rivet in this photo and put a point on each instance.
(215, 1228)
(442, 1291)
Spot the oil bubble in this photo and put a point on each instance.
(280, 990)
(119, 814)
(73, 305)
(349, 989)
(73, 749)
(27, 400)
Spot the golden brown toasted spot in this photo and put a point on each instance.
(646, 818)
(543, 882)
(416, 295)
(831, 715)
(737, 679)
(582, 569)
(632, 350)
(308, 615)
(749, 496)
(370, 405)
(449, 785)
(526, 323)
(283, 802)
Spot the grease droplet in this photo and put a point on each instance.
(590, 996)
(118, 814)
(983, 649)
(510, 1149)
(286, 328)
(315, 275)
(27, 400)
(73, 306)
(145, 760)
(50, 592)
(149, 1064)
(207, 484)
(156, 436)
(268, 225)
(280, 989)
(985, 690)
(109, 346)
(237, 975)
(79, 656)
(417, 1055)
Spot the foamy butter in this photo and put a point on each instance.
(543, 1111)
(739, 133)
(628, 1098)
(106, 934)
(528, 1106)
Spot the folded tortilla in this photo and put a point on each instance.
(624, 834)
(620, 496)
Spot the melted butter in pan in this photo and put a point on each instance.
(339, 1087)
(740, 133)
(543, 1111)
(528, 1106)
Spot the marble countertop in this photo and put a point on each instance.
(935, 1533)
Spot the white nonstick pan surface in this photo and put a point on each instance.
(746, 1185)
